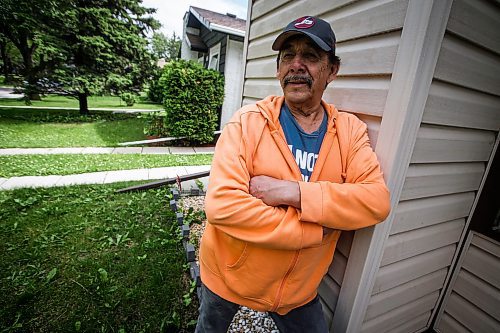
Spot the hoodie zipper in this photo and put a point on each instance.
(279, 295)
(283, 147)
(288, 154)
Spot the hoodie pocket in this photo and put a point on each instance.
(257, 273)
(240, 260)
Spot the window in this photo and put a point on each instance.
(213, 59)
(214, 62)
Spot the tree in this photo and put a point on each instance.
(87, 47)
(30, 27)
(165, 47)
(106, 49)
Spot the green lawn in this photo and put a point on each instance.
(112, 102)
(18, 133)
(44, 165)
(99, 262)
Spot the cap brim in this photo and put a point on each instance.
(278, 42)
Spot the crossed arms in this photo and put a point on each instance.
(291, 215)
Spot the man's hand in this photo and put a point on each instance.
(275, 192)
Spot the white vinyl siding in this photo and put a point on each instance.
(232, 79)
(474, 302)
(368, 34)
(453, 145)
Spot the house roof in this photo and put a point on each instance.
(227, 23)
(196, 43)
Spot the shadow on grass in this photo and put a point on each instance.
(117, 131)
(111, 102)
(29, 128)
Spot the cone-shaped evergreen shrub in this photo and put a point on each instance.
(192, 96)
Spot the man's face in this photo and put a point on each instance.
(304, 71)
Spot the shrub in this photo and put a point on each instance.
(154, 124)
(128, 98)
(192, 97)
(155, 92)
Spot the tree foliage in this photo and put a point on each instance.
(10, 59)
(32, 27)
(192, 97)
(164, 47)
(80, 47)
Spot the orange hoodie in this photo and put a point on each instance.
(273, 258)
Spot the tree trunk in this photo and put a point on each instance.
(31, 91)
(84, 107)
(7, 68)
(27, 53)
(33, 95)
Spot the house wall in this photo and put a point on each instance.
(233, 66)
(453, 144)
(230, 65)
(424, 76)
(368, 35)
(473, 303)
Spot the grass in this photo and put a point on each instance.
(65, 128)
(22, 134)
(100, 262)
(59, 164)
(113, 102)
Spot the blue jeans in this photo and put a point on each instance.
(217, 313)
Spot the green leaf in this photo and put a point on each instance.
(103, 275)
(51, 275)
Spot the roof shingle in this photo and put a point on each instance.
(221, 19)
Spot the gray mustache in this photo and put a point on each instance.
(298, 78)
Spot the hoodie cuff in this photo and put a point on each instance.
(312, 235)
(311, 201)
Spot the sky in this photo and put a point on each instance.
(170, 13)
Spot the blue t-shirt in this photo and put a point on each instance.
(304, 146)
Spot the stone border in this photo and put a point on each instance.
(194, 269)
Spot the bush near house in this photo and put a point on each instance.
(154, 124)
(192, 96)
(155, 92)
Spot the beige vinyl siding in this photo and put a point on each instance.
(474, 302)
(330, 286)
(368, 35)
(454, 142)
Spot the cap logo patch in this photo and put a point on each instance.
(304, 22)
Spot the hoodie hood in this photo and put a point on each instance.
(270, 107)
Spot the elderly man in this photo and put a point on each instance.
(289, 173)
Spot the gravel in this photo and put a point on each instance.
(246, 320)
